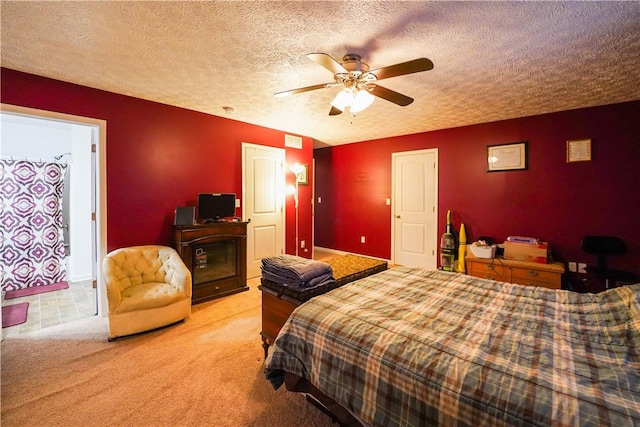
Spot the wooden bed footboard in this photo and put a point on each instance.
(337, 413)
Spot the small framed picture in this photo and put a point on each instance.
(579, 150)
(303, 177)
(507, 157)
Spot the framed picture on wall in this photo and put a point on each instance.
(579, 150)
(506, 157)
(303, 177)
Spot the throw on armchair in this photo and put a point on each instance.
(147, 287)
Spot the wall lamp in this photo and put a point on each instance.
(296, 169)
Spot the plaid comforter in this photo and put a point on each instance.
(411, 347)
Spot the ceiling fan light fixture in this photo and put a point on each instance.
(343, 99)
(356, 99)
(359, 82)
(361, 101)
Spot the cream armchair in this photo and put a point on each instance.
(147, 287)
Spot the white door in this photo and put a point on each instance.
(263, 196)
(415, 197)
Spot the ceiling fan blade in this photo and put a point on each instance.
(303, 89)
(409, 67)
(334, 111)
(392, 96)
(327, 62)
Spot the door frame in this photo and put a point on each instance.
(100, 185)
(313, 209)
(435, 202)
(283, 211)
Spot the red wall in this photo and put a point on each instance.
(159, 156)
(553, 200)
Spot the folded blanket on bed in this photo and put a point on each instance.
(296, 271)
(314, 282)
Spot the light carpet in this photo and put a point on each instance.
(206, 371)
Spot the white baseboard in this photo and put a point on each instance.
(331, 251)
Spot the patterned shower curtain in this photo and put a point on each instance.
(31, 239)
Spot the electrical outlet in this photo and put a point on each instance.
(573, 267)
(582, 267)
(319, 199)
(362, 239)
(237, 203)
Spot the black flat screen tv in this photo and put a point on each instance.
(214, 206)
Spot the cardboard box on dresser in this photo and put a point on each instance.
(531, 252)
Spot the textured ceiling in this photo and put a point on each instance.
(493, 60)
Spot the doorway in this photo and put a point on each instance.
(85, 151)
(414, 214)
(262, 203)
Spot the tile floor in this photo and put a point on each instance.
(54, 308)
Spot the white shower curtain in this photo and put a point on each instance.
(31, 239)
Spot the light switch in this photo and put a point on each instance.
(388, 201)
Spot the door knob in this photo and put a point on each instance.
(398, 216)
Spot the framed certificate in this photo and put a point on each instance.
(579, 150)
(507, 157)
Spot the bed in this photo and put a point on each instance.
(408, 347)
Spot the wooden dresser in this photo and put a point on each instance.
(520, 272)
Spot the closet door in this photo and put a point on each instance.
(414, 208)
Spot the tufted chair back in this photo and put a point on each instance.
(142, 264)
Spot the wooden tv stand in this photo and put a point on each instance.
(216, 255)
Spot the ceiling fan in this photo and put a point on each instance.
(359, 82)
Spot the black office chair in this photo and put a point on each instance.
(603, 246)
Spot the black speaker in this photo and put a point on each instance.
(185, 215)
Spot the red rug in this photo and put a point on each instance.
(13, 315)
(34, 290)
